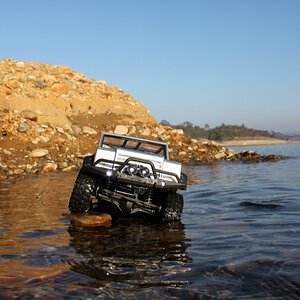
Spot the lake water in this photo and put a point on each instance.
(239, 238)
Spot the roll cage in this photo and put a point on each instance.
(111, 140)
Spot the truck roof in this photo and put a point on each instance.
(113, 140)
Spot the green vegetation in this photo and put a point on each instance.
(223, 132)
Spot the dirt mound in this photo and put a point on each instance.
(52, 116)
(58, 94)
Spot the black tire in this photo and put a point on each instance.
(81, 197)
(173, 207)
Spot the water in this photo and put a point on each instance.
(238, 239)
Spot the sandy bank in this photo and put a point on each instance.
(255, 142)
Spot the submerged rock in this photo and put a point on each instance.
(101, 219)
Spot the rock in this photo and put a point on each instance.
(101, 219)
(39, 84)
(29, 114)
(76, 129)
(63, 164)
(160, 131)
(44, 139)
(220, 155)
(40, 129)
(23, 126)
(121, 129)
(132, 130)
(60, 130)
(38, 153)
(12, 84)
(70, 168)
(273, 157)
(146, 132)
(178, 131)
(49, 167)
(59, 88)
(19, 171)
(20, 64)
(248, 152)
(89, 130)
(35, 141)
(7, 152)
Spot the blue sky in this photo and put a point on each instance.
(225, 61)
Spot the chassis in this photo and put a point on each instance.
(130, 175)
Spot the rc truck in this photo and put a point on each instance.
(130, 176)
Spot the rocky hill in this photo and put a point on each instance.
(52, 116)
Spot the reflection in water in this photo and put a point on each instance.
(131, 255)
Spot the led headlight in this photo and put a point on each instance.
(109, 173)
(132, 169)
(144, 172)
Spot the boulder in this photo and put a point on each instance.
(29, 114)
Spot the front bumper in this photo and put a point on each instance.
(118, 176)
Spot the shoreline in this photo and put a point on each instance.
(257, 142)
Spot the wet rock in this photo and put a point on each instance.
(89, 130)
(273, 157)
(121, 129)
(49, 167)
(30, 115)
(19, 171)
(63, 164)
(70, 168)
(101, 219)
(38, 153)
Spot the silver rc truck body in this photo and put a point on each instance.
(130, 175)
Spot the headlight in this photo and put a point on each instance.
(144, 172)
(132, 169)
(109, 173)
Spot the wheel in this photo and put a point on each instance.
(81, 197)
(173, 207)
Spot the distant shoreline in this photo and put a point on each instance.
(257, 142)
